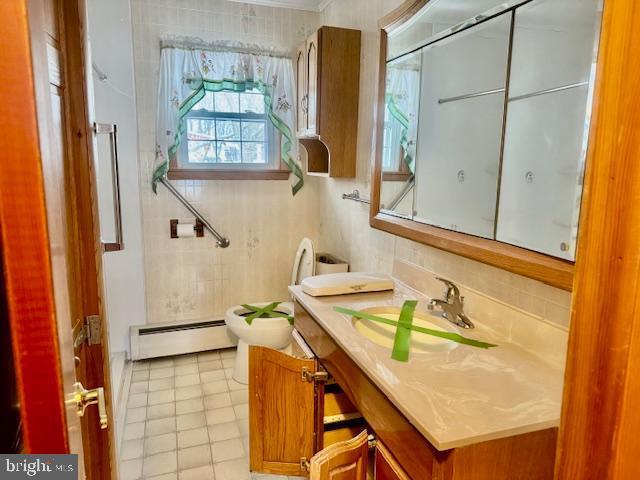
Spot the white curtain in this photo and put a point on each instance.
(402, 98)
(188, 69)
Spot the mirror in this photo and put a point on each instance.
(486, 115)
(402, 97)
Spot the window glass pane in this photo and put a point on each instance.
(206, 103)
(251, 103)
(202, 152)
(227, 102)
(228, 130)
(229, 152)
(200, 129)
(254, 152)
(253, 131)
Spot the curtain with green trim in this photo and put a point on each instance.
(402, 99)
(187, 73)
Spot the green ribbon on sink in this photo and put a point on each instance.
(268, 311)
(405, 324)
(400, 349)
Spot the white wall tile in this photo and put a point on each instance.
(190, 278)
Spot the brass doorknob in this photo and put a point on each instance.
(82, 398)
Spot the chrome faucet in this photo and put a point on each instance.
(452, 305)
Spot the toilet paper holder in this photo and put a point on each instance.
(198, 227)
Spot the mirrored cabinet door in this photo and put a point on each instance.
(547, 123)
(486, 120)
(460, 128)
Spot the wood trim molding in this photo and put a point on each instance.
(544, 268)
(220, 174)
(600, 417)
(547, 269)
(25, 246)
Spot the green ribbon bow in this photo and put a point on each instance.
(405, 325)
(265, 312)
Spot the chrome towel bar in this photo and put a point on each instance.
(515, 98)
(222, 242)
(355, 196)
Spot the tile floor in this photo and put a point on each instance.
(187, 419)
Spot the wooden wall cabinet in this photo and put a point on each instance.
(327, 69)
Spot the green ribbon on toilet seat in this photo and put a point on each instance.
(267, 311)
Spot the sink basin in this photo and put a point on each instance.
(383, 335)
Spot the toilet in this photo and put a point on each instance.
(268, 332)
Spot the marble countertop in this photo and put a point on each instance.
(454, 398)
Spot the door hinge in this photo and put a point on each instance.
(318, 377)
(90, 333)
(304, 464)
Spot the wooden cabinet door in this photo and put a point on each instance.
(301, 89)
(342, 461)
(386, 467)
(312, 83)
(282, 412)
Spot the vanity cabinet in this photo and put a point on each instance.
(296, 410)
(327, 67)
(386, 467)
(307, 401)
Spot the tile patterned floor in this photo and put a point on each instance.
(187, 419)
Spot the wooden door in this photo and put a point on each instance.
(58, 66)
(386, 467)
(342, 461)
(282, 412)
(301, 89)
(50, 86)
(312, 83)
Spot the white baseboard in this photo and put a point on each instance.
(120, 382)
(161, 340)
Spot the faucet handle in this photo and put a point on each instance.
(451, 288)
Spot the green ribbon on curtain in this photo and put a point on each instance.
(230, 85)
(267, 311)
(454, 337)
(399, 115)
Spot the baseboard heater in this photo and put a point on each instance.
(162, 340)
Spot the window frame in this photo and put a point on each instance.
(181, 169)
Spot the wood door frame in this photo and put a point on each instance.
(99, 445)
(600, 420)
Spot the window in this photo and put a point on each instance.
(228, 132)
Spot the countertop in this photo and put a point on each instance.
(454, 398)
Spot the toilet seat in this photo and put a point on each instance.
(304, 264)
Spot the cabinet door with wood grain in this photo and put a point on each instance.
(282, 411)
(301, 89)
(386, 467)
(342, 461)
(312, 83)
